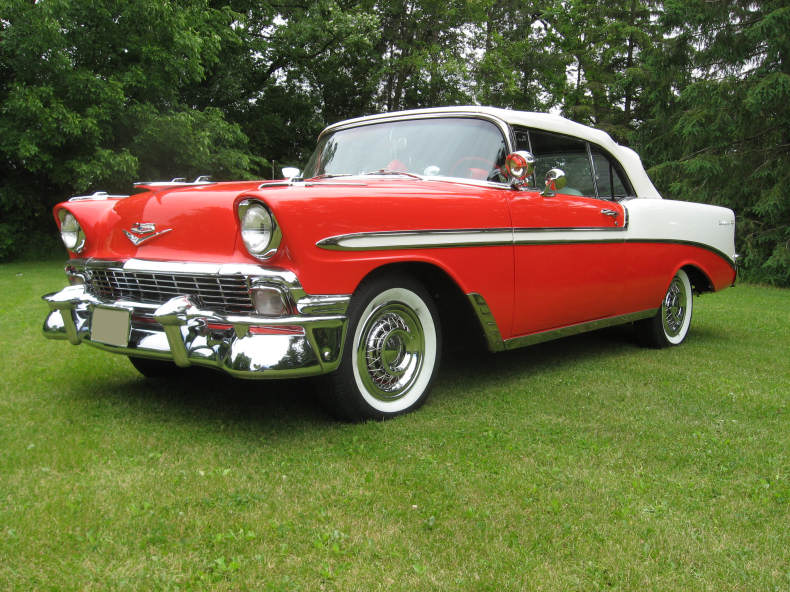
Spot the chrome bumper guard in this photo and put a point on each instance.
(304, 344)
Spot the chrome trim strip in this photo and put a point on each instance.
(532, 339)
(503, 126)
(323, 305)
(487, 322)
(97, 196)
(495, 342)
(489, 237)
(186, 267)
(417, 239)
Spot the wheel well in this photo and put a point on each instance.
(460, 326)
(700, 282)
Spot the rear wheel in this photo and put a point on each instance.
(392, 351)
(671, 323)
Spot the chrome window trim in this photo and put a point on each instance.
(504, 127)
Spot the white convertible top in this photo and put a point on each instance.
(632, 164)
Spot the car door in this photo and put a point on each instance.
(567, 245)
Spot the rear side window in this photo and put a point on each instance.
(563, 152)
(608, 175)
(589, 170)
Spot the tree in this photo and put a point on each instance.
(719, 126)
(91, 95)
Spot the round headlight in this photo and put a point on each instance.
(71, 232)
(258, 229)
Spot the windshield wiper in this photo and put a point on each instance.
(328, 176)
(391, 172)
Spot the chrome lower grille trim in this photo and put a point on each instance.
(227, 294)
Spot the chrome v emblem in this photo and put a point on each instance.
(143, 231)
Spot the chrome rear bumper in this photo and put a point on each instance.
(308, 342)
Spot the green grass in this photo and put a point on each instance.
(582, 464)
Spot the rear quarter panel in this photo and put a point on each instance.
(664, 236)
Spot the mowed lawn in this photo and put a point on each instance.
(583, 464)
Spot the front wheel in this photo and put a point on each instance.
(671, 323)
(392, 351)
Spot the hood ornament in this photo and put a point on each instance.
(143, 231)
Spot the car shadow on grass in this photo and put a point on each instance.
(201, 393)
(204, 394)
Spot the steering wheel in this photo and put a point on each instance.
(462, 166)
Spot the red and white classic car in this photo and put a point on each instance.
(528, 225)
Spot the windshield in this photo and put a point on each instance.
(450, 147)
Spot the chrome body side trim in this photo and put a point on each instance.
(306, 341)
(495, 342)
(491, 237)
(417, 239)
(534, 338)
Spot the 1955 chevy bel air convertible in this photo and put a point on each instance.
(529, 225)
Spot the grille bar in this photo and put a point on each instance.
(225, 294)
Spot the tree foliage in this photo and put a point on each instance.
(98, 95)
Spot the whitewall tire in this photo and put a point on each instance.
(392, 351)
(671, 324)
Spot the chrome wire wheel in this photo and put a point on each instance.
(394, 350)
(391, 351)
(676, 308)
(673, 308)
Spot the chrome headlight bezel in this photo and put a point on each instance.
(260, 232)
(71, 232)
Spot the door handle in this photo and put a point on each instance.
(608, 212)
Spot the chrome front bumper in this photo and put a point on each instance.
(307, 342)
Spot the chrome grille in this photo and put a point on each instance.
(224, 294)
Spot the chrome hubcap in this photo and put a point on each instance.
(391, 351)
(674, 308)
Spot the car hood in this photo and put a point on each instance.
(199, 223)
(184, 223)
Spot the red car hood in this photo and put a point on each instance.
(199, 223)
(186, 223)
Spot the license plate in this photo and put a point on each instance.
(110, 326)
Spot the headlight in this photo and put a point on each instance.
(259, 230)
(71, 232)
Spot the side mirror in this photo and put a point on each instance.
(555, 180)
(290, 172)
(519, 166)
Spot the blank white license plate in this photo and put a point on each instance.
(110, 326)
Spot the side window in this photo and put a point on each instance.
(608, 174)
(566, 153)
